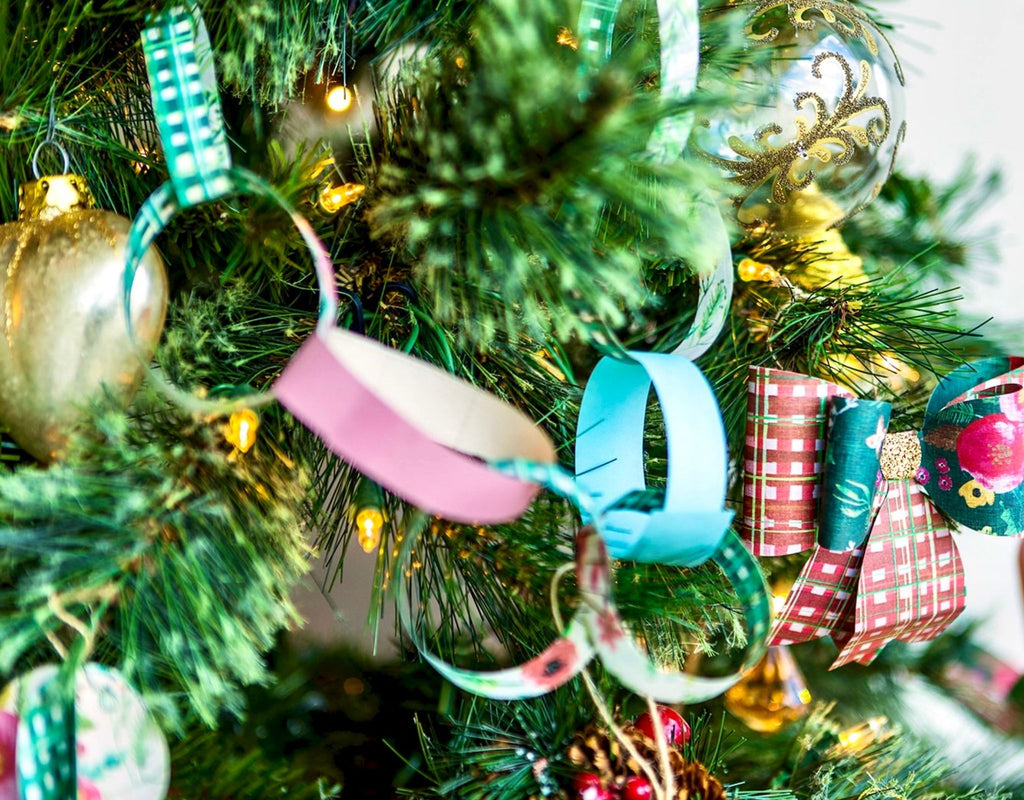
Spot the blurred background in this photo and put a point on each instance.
(962, 62)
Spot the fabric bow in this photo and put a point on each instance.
(823, 473)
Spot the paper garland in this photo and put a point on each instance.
(98, 741)
(690, 526)
(437, 446)
(430, 444)
(444, 445)
(711, 252)
(597, 630)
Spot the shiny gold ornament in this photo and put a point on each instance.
(240, 432)
(772, 695)
(335, 198)
(64, 332)
(831, 264)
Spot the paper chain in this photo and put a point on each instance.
(438, 447)
(448, 449)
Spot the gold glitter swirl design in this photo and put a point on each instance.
(832, 138)
(852, 24)
(851, 21)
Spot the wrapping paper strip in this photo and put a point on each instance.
(689, 527)
(911, 584)
(852, 460)
(784, 457)
(95, 739)
(907, 581)
(416, 430)
(45, 749)
(711, 251)
(597, 629)
(973, 446)
(186, 107)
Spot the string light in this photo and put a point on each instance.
(751, 270)
(369, 518)
(340, 99)
(241, 429)
(567, 38)
(860, 737)
(335, 198)
(370, 524)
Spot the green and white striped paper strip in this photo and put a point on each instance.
(187, 109)
(711, 255)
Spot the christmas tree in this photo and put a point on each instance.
(379, 292)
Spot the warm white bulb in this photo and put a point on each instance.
(339, 99)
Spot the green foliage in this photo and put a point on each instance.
(922, 227)
(497, 165)
(156, 544)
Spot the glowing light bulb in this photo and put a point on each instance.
(859, 737)
(340, 99)
(369, 524)
(750, 270)
(241, 429)
(335, 198)
(567, 38)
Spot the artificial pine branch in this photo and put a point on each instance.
(494, 175)
(154, 538)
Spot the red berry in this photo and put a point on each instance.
(673, 726)
(992, 450)
(588, 787)
(637, 788)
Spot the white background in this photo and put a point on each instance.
(962, 61)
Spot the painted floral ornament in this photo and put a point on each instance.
(973, 446)
(119, 753)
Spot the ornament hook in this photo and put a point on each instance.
(51, 140)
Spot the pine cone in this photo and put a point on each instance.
(648, 748)
(694, 781)
(593, 750)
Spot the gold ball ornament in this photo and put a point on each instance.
(820, 139)
(64, 332)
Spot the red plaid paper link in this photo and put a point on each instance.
(911, 583)
(787, 415)
(821, 598)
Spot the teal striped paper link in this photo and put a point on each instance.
(45, 745)
(186, 106)
(596, 27)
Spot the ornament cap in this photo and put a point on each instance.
(52, 196)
